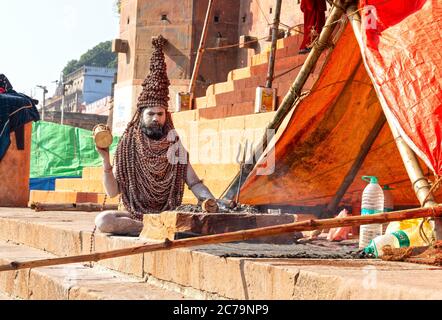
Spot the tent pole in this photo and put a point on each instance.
(359, 160)
(200, 52)
(294, 92)
(418, 180)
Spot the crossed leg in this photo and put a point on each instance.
(118, 223)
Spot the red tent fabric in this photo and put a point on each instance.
(402, 46)
(399, 70)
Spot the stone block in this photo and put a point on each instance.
(132, 265)
(246, 41)
(201, 102)
(238, 74)
(173, 225)
(223, 87)
(43, 285)
(259, 121)
(211, 101)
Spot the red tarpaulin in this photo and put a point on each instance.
(402, 46)
(315, 151)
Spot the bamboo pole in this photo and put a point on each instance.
(275, 33)
(294, 92)
(418, 180)
(88, 207)
(200, 52)
(234, 236)
(348, 180)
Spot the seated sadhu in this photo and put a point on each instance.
(151, 165)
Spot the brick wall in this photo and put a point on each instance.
(80, 120)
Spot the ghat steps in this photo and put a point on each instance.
(199, 273)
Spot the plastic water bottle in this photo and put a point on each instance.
(372, 203)
(388, 204)
(397, 239)
(388, 199)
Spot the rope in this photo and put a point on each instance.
(334, 4)
(92, 247)
(262, 11)
(252, 41)
(287, 71)
(345, 15)
(433, 188)
(422, 233)
(233, 45)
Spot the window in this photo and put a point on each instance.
(216, 19)
(98, 81)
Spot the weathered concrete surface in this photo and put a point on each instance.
(316, 249)
(211, 272)
(5, 297)
(70, 282)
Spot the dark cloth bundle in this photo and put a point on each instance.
(16, 109)
(4, 83)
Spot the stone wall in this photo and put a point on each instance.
(80, 120)
(254, 19)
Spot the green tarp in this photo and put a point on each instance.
(59, 150)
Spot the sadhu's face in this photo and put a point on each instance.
(152, 122)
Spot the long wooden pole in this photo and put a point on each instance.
(348, 180)
(294, 92)
(418, 180)
(234, 236)
(200, 52)
(275, 33)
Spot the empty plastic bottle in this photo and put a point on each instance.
(372, 203)
(388, 199)
(397, 239)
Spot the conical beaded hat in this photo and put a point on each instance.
(156, 85)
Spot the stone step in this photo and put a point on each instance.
(69, 197)
(92, 173)
(71, 282)
(208, 271)
(4, 296)
(238, 74)
(256, 77)
(219, 111)
(79, 185)
(200, 102)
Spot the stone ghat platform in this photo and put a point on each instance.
(224, 271)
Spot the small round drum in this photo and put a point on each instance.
(102, 136)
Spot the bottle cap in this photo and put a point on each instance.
(370, 250)
(371, 179)
(387, 187)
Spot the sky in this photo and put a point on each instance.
(39, 37)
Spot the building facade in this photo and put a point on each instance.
(82, 87)
(181, 23)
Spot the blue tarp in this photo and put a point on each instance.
(47, 184)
